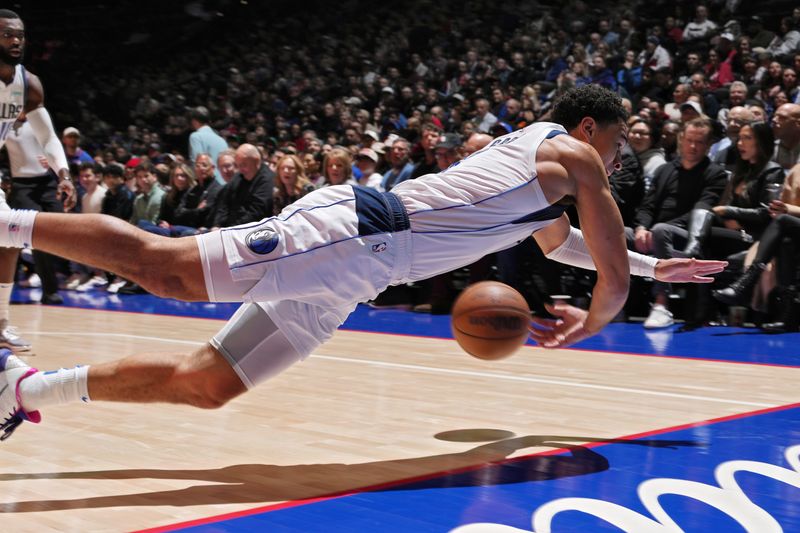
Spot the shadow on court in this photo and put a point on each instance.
(484, 465)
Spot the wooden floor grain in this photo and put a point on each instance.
(366, 409)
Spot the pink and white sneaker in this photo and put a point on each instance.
(12, 372)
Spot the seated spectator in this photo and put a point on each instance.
(337, 168)
(643, 138)
(118, 201)
(401, 167)
(786, 41)
(248, 196)
(785, 224)
(90, 176)
(601, 74)
(786, 128)
(629, 75)
(724, 152)
(183, 191)
(76, 155)
(679, 96)
(291, 183)
(718, 72)
(755, 182)
(737, 96)
(312, 164)
(669, 139)
(699, 86)
(147, 205)
(484, 119)
(430, 136)
(676, 209)
(699, 28)
(196, 209)
(655, 56)
(367, 161)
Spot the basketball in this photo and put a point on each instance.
(490, 320)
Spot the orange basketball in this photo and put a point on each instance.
(490, 320)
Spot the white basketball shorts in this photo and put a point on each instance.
(306, 268)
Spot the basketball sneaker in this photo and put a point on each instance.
(9, 338)
(12, 372)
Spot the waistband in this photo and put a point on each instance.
(379, 212)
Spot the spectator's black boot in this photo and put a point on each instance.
(700, 221)
(740, 291)
(788, 316)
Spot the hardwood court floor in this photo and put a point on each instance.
(366, 409)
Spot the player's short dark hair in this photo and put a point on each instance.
(8, 14)
(594, 101)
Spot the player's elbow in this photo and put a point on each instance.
(617, 286)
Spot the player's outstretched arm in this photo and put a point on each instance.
(566, 245)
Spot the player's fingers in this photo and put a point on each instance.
(544, 323)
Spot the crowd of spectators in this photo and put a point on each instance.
(375, 97)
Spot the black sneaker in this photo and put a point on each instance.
(52, 299)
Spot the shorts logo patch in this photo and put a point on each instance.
(377, 248)
(262, 241)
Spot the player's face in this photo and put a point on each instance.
(12, 41)
(609, 141)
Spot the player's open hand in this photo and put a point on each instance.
(567, 328)
(688, 270)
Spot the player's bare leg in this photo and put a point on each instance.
(203, 378)
(164, 266)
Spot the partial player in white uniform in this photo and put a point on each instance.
(301, 273)
(20, 92)
(34, 186)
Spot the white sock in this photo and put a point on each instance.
(57, 387)
(5, 298)
(16, 228)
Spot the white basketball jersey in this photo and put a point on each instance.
(487, 202)
(25, 152)
(12, 101)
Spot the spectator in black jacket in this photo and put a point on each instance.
(248, 197)
(197, 207)
(118, 201)
(677, 208)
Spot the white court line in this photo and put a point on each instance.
(431, 369)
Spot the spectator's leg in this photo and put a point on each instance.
(664, 238)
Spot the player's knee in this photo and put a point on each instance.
(207, 380)
(161, 270)
(219, 391)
